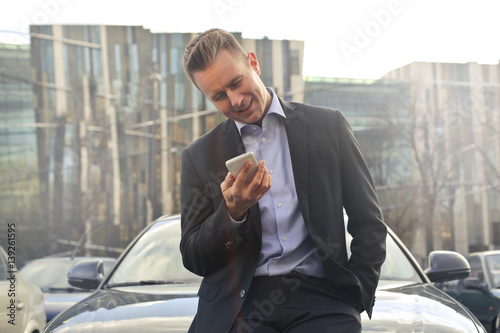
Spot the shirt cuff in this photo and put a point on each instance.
(238, 222)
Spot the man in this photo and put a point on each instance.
(272, 249)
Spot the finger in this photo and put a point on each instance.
(266, 183)
(269, 181)
(260, 173)
(266, 186)
(227, 183)
(243, 174)
(263, 185)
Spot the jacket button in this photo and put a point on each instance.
(242, 293)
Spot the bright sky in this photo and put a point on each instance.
(355, 39)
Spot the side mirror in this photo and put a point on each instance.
(87, 274)
(447, 266)
(474, 284)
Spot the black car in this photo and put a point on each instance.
(149, 290)
(51, 275)
(480, 292)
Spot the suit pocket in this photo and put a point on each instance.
(208, 291)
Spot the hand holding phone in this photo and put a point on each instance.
(235, 164)
(240, 198)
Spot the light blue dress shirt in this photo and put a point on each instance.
(286, 243)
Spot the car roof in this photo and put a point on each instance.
(68, 259)
(167, 218)
(484, 253)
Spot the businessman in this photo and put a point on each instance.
(272, 249)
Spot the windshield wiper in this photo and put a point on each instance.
(143, 283)
(67, 289)
(161, 282)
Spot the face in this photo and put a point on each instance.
(234, 87)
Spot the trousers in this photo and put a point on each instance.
(295, 303)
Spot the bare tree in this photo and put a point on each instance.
(448, 134)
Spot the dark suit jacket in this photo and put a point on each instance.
(330, 174)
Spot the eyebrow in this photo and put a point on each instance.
(238, 78)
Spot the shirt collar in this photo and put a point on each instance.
(275, 107)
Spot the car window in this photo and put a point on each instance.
(492, 262)
(3, 268)
(155, 256)
(476, 269)
(48, 275)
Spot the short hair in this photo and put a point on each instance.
(202, 50)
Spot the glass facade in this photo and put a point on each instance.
(17, 121)
(19, 185)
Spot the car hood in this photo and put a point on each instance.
(170, 308)
(418, 308)
(57, 302)
(160, 308)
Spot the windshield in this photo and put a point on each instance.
(155, 257)
(396, 267)
(48, 275)
(493, 269)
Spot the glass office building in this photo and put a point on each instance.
(18, 159)
(19, 186)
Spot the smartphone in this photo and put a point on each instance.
(235, 164)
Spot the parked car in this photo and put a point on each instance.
(480, 292)
(21, 303)
(51, 275)
(149, 290)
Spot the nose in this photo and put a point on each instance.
(235, 98)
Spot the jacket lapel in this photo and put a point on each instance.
(231, 140)
(296, 131)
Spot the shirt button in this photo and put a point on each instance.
(271, 172)
(280, 204)
(242, 293)
(264, 139)
(274, 261)
(284, 238)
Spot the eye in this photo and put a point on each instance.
(219, 97)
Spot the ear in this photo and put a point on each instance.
(254, 63)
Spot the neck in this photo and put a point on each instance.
(268, 105)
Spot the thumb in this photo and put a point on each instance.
(227, 183)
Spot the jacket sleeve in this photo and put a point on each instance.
(209, 238)
(365, 223)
